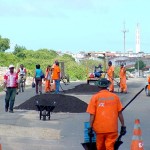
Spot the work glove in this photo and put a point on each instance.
(123, 130)
(90, 132)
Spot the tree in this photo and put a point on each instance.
(4, 44)
(18, 49)
(139, 65)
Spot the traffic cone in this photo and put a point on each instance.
(137, 142)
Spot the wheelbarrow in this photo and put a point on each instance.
(45, 110)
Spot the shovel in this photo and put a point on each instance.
(89, 146)
(118, 143)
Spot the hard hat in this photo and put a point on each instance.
(103, 82)
(11, 66)
(110, 62)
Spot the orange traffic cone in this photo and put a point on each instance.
(137, 142)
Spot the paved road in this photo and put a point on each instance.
(24, 130)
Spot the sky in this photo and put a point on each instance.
(75, 25)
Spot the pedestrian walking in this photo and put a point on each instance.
(38, 76)
(104, 108)
(48, 79)
(10, 87)
(56, 76)
(122, 75)
(110, 76)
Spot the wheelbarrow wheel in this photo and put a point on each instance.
(44, 114)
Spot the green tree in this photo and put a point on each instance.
(18, 49)
(4, 44)
(139, 65)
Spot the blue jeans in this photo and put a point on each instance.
(57, 83)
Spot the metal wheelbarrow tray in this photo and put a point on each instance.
(45, 110)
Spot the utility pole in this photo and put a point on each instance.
(124, 37)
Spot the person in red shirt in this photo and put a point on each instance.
(110, 74)
(10, 87)
(122, 75)
(104, 109)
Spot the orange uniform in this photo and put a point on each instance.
(53, 86)
(122, 75)
(105, 106)
(149, 80)
(110, 73)
(148, 87)
(47, 80)
(56, 73)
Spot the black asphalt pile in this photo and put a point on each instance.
(63, 103)
(84, 88)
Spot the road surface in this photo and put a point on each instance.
(23, 130)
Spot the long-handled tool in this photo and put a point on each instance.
(118, 83)
(118, 141)
(62, 88)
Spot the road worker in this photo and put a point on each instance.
(147, 88)
(56, 77)
(53, 84)
(104, 108)
(122, 75)
(110, 76)
(48, 79)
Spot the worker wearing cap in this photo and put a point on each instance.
(110, 76)
(104, 109)
(10, 87)
(122, 75)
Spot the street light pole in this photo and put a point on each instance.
(124, 37)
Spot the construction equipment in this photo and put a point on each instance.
(45, 109)
(91, 77)
(64, 77)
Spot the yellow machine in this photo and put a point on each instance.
(90, 76)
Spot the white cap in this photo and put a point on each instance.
(11, 66)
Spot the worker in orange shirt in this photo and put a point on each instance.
(53, 85)
(148, 87)
(104, 109)
(56, 76)
(122, 75)
(148, 80)
(110, 76)
(48, 79)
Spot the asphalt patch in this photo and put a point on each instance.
(83, 89)
(63, 103)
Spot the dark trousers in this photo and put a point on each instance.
(10, 98)
(38, 85)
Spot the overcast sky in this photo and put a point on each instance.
(75, 25)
